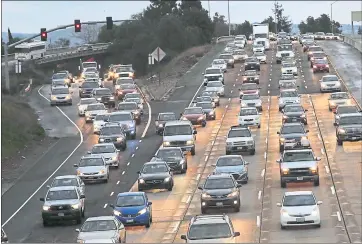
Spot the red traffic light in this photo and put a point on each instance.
(43, 34)
(77, 25)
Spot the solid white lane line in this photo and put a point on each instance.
(149, 120)
(176, 227)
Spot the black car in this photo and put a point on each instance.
(155, 175)
(294, 113)
(349, 128)
(250, 76)
(161, 120)
(105, 96)
(220, 191)
(213, 94)
(208, 108)
(86, 89)
(113, 133)
(345, 109)
(252, 64)
(173, 156)
(293, 136)
(4, 237)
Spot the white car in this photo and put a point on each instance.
(299, 208)
(92, 168)
(239, 139)
(216, 86)
(289, 69)
(288, 96)
(331, 36)
(261, 57)
(99, 121)
(251, 100)
(338, 98)
(285, 78)
(83, 104)
(219, 64)
(330, 83)
(249, 116)
(258, 48)
(240, 42)
(93, 110)
(240, 55)
(283, 51)
(108, 151)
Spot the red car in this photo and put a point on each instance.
(313, 49)
(123, 89)
(320, 65)
(249, 88)
(195, 115)
(317, 55)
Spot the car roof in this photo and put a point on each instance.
(209, 219)
(203, 102)
(63, 188)
(298, 150)
(66, 177)
(93, 104)
(103, 144)
(88, 98)
(169, 148)
(127, 102)
(253, 94)
(92, 156)
(100, 89)
(334, 93)
(330, 76)
(131, 193)
(248, 108)
(219, 59)
(178, 122)
(292, 124)
(120, 112)
(171, 113)
(128, 94)
(193, 108)
(296, 193)
(100, 218)
(229, 156)
(154, 162)
(350, 115)
(291, 89)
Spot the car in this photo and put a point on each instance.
(213, 94)
(320, 65)
(338, 98)
(93, 110)
(123, 70)
(293, 135)
(99, 121)
(261, 57)
(294, 113)
(251, 100)
(286, 77)
(174, 157)
(131, 107)
(104, 95)
(293, 37)
(331, 36)
(202, 228)
(155, 175)
(249, 116)
(86, 88)
(195, 115)
(208, 109)
(312, 49)
(320, 36)
(124, 119)
(240, 42)
(251, 76)
(299, 208)
(68, 180)
(345, 109)
(60, 80)
(100, 228)
(60, 95)
(349, 128)
(298, 166)
(285, 50)
(204, 99)
(317, 55)
(114, 133)
(4, 237)
(162, 119)
(229, 46)
(258, 48)
(307, 44)
(123, 89)
(83, 104)
(123, 80)
(229, 59)
(239, 139)
(134, 95)
(240, 55)
(219, 64)
(288, 96)
(136, 100)
(248, 88)
(220, 191)
(108, 151)
(62, 203)
(330, 83)
(133, 208)
(289, 69)
(288, 84)
(234, 165)
(213, 74)
(92, 168)
(252, 63)
(90, 75)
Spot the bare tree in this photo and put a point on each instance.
(88, 34)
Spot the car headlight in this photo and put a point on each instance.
(282, 140)
(285, 171)
(190, 142)
(250, 142)
(117, 87)
(184, 118)
(323, 85)
(67, 97)
(141, 181)
(46, 208)
(285, 117)
(166, 143)
(201, 118)
(302, 116)
(313, 169)
(220, 78)
(111, 98)
(314, 67)
(114, 158)
(136, 112)
(53, 98)
(229, 143)
(284, 212)
(80, 241)
(79, 173)
(205, 195)
(101, 140)
(314, 211)
(243, 104)
(102, 171)
(142, 211)
(75, 206)
(231, 60)
(327, 66)
(233, 194)
(99, 99)
(160, 125)
(311, 58)
(245, 78)
(342, 131)
(211, 113)
(119, 139)
(167, 179)
(333, 104)
(182, 161)
(117, 213)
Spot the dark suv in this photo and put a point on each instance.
(292, 136)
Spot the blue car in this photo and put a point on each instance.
(133, 208)
(234, 165)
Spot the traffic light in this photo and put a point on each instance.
(43, 34)
(77, 25)
(109, 23)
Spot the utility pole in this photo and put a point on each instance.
(275, 17)
(208, 2)
(229, 15)
(7, 78)
(332, 26)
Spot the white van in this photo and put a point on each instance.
(180, 134)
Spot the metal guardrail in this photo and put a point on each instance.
(224, 38)
(354, 41)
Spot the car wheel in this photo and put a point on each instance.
(45, 223)
(259, 126)
(283, 184)
(149, 223)
(170, 187)
(339, 142)
(83, 213)
(316, 182)
(318, 226)
(133, 136)
(79, 220)
(252, 152)
(193, 151)
(281, 148)
(237, 209)
(52, 105)
(203, 124)
(282, 227)
(203, 211)
(330, 109)
(139, 188)
(227, 152)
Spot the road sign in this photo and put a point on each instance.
(151, 60)
(158, 54)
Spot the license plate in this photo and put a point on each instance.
(294, 120)
(129, 221)
(252, 67)
(219, 204)
(61, 214)
(300, 219)
(289, 144)
(240, 148)
(299, 178)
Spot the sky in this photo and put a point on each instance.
(30, 16)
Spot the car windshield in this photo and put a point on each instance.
(293, 109)
(169, 153)
(90, 85)
(130, 201)
(103, 92)
(214, 84)
(287, 65)
(289, 94)
(58, 82)
(103, 149)
(351, 120)
(329, 34)
(229, 161)
(250, 73)
(94, 107)
(320, 61)
(61, 195)
(110, 130)
(287, 77)
(98, 225)
(65, 182)
(177, 130)
(318, 55)
(209, 231)
(101, 117)
(59, 76)
(299, 200)
(91, 69)
(133, 95)
(123, 69)
(240, 52)
(154, 168)
(330, 78)
(206, 99)
(60, 91)
(239, 133)
(347, 109)
(250, 97)
(221, 61)
(249, 86)
(120, 117)
(124, 81)
(133, 99)
(193, 111)
(127, 106)
(226, 56)
(297, 156)
(219, 183)
(320, 33)
(204, 105)
(288, 84)
(85, 162)
(292, 129)
(167, 117)
(259, 44)
(259, 54)
(247, 111)
(251, 60)
(315, 49)
(91, 75)
(210, 93)
(339, 96)
(286, 47)
(282, 34)
(128, 86)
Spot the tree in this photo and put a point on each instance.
(245, 28)
(220, 26)
(283, 22)
(89, 33)
(321, 24)
(271, 22)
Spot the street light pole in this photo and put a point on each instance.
(332, 26)
(275, 17)
(229, 15)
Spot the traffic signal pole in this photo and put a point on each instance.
(6, 47)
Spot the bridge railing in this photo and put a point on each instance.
(354, 41)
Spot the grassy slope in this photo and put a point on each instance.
(19, 125)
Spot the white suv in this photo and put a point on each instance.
(180, 134)
(249, 116)
(240, 139)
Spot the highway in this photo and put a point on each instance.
(258, 220)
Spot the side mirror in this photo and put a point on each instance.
(279, 204)
(49, 94)
(4, 239)
(77, 230)
(79, 86)
(82, 196)
(319, 202)
(75, 166)
(71, 92)
(156, 120)
(138, 172)
(180, 114)
(278, 86)
(282, 111)
(42, 199)
(202, 73)
(149, 203)
(318, 158)
(247, 163)
(278, 133)
(306, 131)
(89, 152)
(305, 110)
(335, 112)
(194, 132)
(183, 237)
(236, 234)
(335, 124)
(278, 160)
(199, 187)
(111, 205)
(239, 185)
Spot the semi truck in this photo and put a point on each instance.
(261, 35)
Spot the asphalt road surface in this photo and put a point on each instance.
(258, 220)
